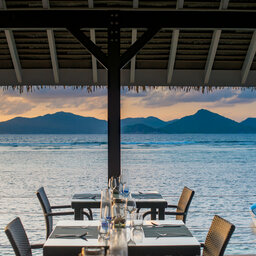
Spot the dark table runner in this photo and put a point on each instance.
(87, 196)
(91, 230)
(170, 231)
(147, 196)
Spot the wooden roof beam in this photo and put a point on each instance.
(134, 38)
(92, 18)
(173, 47)
(52, 47)
(249, 58)
(12, 48)
(93, 39)
(213, 47)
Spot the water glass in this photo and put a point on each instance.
(104, 228)
(118, 242)
(105, 205)
(137, 235)
(99, 251)
(137, 220)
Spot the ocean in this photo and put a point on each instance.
(221, 168)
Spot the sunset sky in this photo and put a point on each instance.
(162, 103)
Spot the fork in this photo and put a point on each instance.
(83, 236)
(160, 235)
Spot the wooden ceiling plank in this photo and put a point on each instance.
(211, 55)
(173, 47)
(134, 38)
(213, 46)
(249, 58)
(12, 48)
(93, 39)
(172, 55)
(52, 46)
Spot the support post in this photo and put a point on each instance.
(114, 147)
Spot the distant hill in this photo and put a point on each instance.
(58, 123)
(148, 121)
(249, 122)
(203, 121)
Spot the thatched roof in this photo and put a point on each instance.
(173, 57)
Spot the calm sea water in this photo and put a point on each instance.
(220, 168)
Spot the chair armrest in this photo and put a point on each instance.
(149, 212)
(60, 206)
(174, 213)
(59, 213)
(67, 213)
(172, 206)
(36, 246)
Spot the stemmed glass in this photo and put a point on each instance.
(113, 185)
(131, 206)
(124, 183)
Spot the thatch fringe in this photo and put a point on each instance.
(91, 89)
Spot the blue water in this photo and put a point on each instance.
(220, 168)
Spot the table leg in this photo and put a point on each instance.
(153, 214)
(161, 215)
(79, 214)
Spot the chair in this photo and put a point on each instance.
(182, 207)
(218, 237)
(47, 210)
(18, 238)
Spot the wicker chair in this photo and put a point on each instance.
(218, 237)
(47, 210)
(182, 207)
(18, 238)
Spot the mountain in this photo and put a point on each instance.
(251, 122)
(148, 121)
(58, 123)
(205, 121)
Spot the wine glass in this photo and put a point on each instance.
(131, 206)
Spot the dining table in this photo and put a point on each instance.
(144, 199)
(153, 238)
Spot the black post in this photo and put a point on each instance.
(114, 148)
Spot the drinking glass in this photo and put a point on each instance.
(105, 213)
(137, 220)
(113, 185)
(99, 251)
(118, 242)
(131, 206)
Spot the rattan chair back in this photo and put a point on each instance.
(184, 203)
(45, 204)
(218, 237)
(18, 238)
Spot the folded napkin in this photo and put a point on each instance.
(170, 231)
(92, 232)
(87, 196)
(146, 196)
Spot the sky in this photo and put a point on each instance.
(162, 102)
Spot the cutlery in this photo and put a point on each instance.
(160, 235)
(78, 227)
(164, 225)
(83, 236)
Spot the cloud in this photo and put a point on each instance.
(47, 93)
(61, 98)
(14, 106)
(225, 97)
